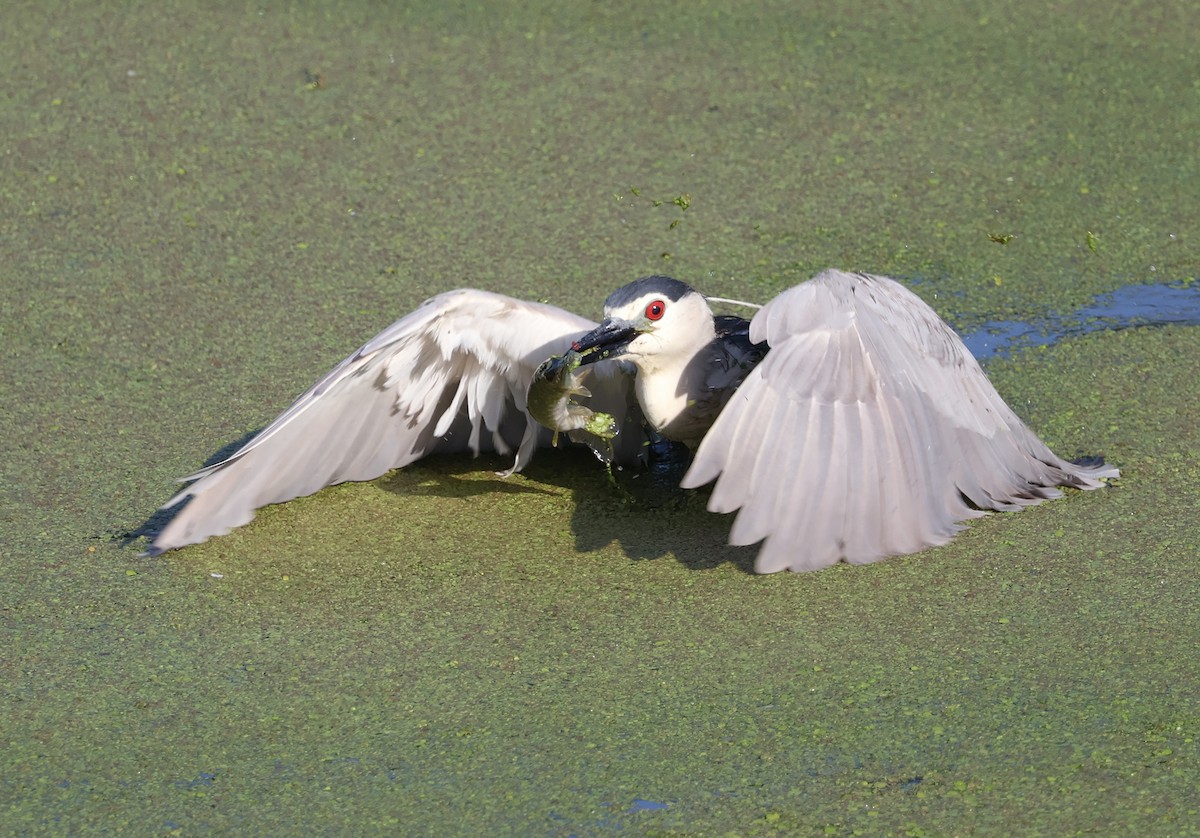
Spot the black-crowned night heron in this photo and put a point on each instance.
(847, 422)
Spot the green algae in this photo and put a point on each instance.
(192, 235)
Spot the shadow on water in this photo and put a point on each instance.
(629, 510)
(1133, 305)
(162, 516)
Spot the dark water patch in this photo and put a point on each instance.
(640, 805)
(1133, 305)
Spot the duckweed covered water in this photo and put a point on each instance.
(202, 212)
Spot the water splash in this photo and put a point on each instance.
(1133, 305)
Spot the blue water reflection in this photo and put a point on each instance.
(1133, 305)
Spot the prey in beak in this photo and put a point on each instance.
(608, 340)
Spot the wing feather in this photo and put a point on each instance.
(869, 430)
(450, 376)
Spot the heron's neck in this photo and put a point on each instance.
(669, 385)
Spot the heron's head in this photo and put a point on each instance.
(647, 320)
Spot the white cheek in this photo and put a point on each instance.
(648, 343)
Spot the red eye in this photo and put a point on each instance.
(656, 310)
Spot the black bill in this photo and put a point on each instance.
(608, 340)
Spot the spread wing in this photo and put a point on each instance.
(869, 430)
(450, 376)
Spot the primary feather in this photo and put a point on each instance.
(869, 430)
(450, 376)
